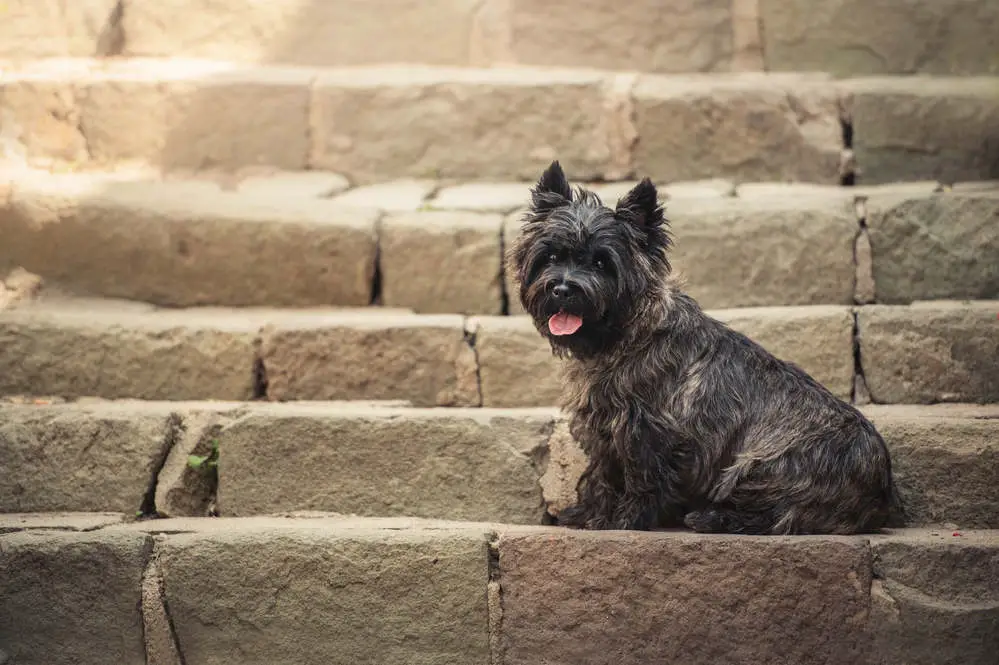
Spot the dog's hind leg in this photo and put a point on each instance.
(725, 519)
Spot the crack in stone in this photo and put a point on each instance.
(159, 632)
(174, 430)
(376, 275)
(471, 332)
(111, 40)
(494, 600)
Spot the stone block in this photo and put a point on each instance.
(53, 29)
(516, 365)
(441, 262)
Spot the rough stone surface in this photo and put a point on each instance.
(818, 339)
(181, 490)
(293, 185)
(939, 247)
(851, 37)
(573, 597)
(734, 253)
(946, 463)
(916, 128)
(39, 120)
(161, 649)
(864, 291)
(72, 598)
(483, 196)
(303, 32)
(72, 458)
(121, 353)
(566, 464)
(196, 245)
(192, 114)
(464, 464)
(432, 123)
(19, 286)
(744, 128)
(516, 365)
(54, 29)
(57, 521)
(398, 196)
(370, 356)
(936, 599)
(931, 352)
(398, 597)
(625, 36)
(441, 262)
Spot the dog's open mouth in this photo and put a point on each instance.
(564, 323)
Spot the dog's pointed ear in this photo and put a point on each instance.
(552, 190)
(641, 206)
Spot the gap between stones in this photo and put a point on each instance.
(504, 294)
(111, 40)
(471, 332)
(494, 600)
(159, 633)
(174, 430)
(859, 393)
(376, 276)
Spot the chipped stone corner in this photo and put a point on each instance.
(19, 287)
(494, 602)
(566, 463)
(182, 491)
(468, 388)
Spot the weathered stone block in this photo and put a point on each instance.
(572, 597)
(501, 197)
(399, 597)
(303, 32)
(370, 356)
(72, 598)
(122, 353)
(850, 37)
(516, 365)
(53, 29)
(80, 458)
(931, 352)
(916, 128)
(629, 35)
(461, 464)
(40, 116)
(441, 262)
(937, 247)
(196, 245)
(945, 461)
(745, 128)
(433, 123)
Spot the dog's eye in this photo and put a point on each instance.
(553, 258)
(599, 263)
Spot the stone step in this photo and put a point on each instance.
(845, 37)
(405, 591)
(300, 239)
(427, 122)
(923, 353)
(383, 459)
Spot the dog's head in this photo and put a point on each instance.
(585, 270)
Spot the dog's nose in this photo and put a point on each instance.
(560, 291)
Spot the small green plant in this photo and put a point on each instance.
(206, 463)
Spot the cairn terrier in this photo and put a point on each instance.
(684, 420)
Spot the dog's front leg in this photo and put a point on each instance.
(597, 491)
(651, 494)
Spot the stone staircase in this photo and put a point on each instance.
(267, 394)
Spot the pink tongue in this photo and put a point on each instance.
(564, 324)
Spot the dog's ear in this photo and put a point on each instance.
(552, 190)
(641, 206)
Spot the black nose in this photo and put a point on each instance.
(560, 291)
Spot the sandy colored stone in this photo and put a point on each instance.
(747, 37)
(71, 458)
(936, 599)
(451, 123)
(116, 352)
(516, 365)
(54, 29)
(622, 598)
(946, 464)
(931, 352)
(19, 286)
(161, 649)
(441, 262)
(371, 356)
(399, 597)
(501, 197)
(734, 253)
(303, 32)
(396, 196)
(566, 463)
(194, 114)
(283, 186)
(71, 598)
(460, 464)
(818, 339)
(196, 244)
(917, 128)
(629, 35)
(865, 287)
(57, 521)
(40, 118)
(938, 247)
(857, 37)
(612, 192)
(743, 127)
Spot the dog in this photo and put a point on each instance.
(684, 421)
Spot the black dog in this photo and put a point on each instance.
(683, 419)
